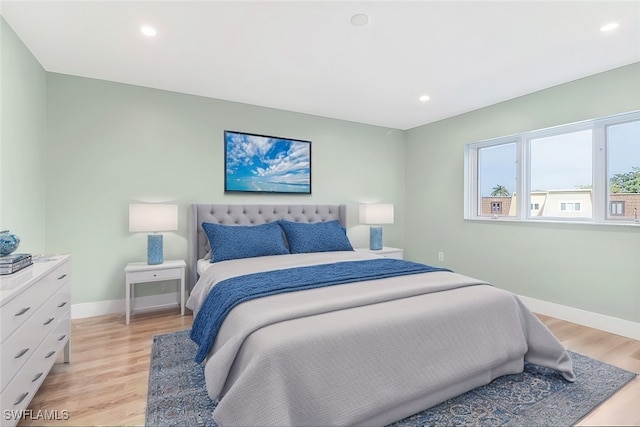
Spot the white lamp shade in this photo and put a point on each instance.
(152, 217)
(375, 214)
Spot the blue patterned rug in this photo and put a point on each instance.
(538, 396)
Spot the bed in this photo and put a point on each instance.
(370, 342)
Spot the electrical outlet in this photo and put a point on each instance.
(440, 256)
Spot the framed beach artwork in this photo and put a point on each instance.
(266, 164)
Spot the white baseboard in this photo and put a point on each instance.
(100, 308)
(603, 322)
(582, 317)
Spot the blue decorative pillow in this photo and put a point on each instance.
(244, 241)
(315, 237)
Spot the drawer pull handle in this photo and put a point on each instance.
(21, 353)
(21, 398)
(49, 320)
(35, 378)
(62, 304)
(51, 353)
(62, 277)
(23, 311)
(61, 337)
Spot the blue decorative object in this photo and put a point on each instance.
(375, 238)
(154, 249)
(8, 242)
(315, 237)
(376, 214)
(244, 241)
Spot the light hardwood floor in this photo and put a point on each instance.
(106, 381)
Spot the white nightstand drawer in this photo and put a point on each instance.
(385, 252)
(151, 276)
(395, 255)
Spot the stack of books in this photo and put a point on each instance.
(14, 262)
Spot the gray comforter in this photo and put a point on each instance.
(366, 353)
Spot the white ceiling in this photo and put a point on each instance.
(306, 56)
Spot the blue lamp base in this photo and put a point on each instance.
(154, 249)
(375, 238)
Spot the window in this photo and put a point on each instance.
(560, 164)
(497, 179)
(585, 172)
(570, 206)
(616, 208)
(623, 168)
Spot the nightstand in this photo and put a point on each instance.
(385, 252)
(141, 272)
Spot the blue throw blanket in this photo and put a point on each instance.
(228, 293)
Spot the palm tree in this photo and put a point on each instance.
(500, 191)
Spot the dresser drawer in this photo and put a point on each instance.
(20, 391)
(25, 384)
(20, 346)
(48, 352)
(21, 308)
(151, 276)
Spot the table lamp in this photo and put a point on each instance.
(375, 215)
(153, 218)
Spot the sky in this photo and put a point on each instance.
(561, 162)
(262, 163)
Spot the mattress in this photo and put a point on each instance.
(203, 265)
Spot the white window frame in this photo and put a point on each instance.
(600, 187)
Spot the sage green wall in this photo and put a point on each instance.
(594, 268)
(74, 152)
(23, 122)
(112, 144)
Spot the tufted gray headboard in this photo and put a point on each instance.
(249, 215)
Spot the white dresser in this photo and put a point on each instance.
(35, 309)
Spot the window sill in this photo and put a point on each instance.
(555, 221)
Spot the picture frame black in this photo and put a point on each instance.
(255, 163)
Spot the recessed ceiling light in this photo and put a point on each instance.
(609, 27)
(424, 98)
(148, 31)
(360, 19)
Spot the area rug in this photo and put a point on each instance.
(177, 395)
